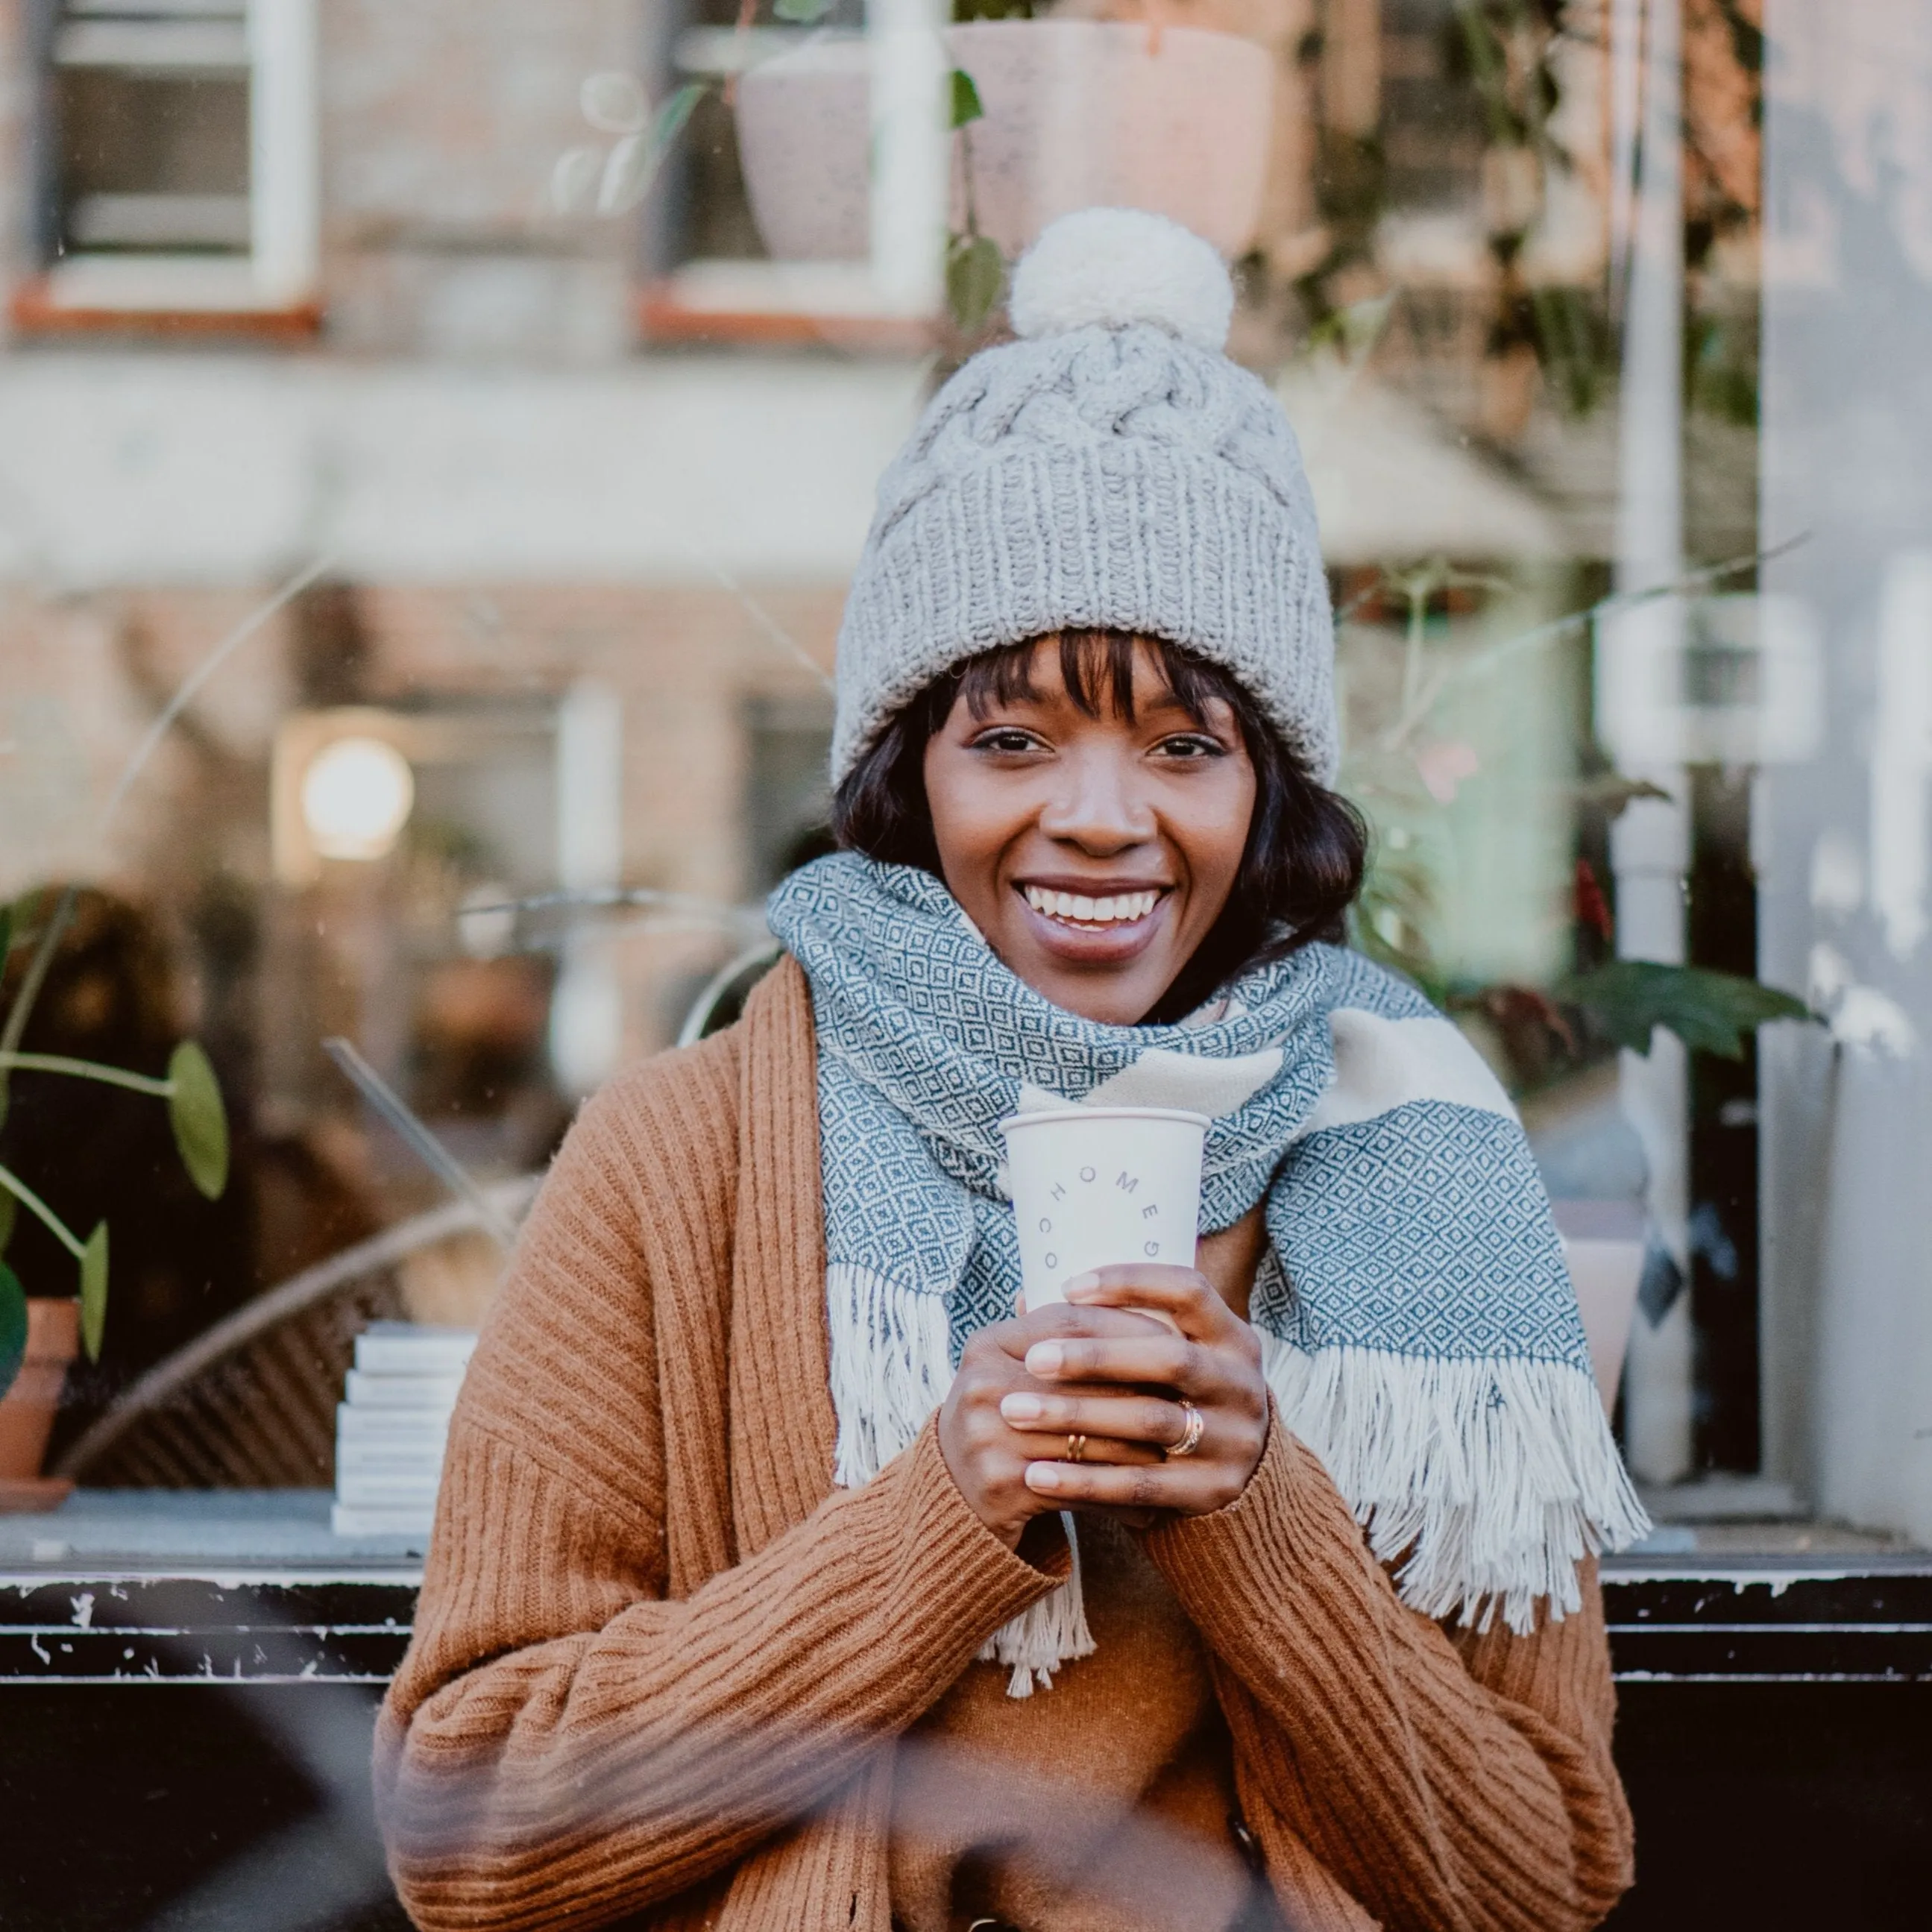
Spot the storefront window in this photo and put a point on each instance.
(435, 443)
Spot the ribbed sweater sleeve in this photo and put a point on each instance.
(1452, 1785)
(567, 1740)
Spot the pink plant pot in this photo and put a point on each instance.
(1093, 114)
(27, 1409)
(1079, 114)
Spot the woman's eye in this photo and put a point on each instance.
(1004, 740)
(1189, 745)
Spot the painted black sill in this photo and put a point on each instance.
(293, 1605)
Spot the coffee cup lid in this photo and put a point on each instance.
(1041, 1116)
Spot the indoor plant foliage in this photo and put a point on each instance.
(196, 1118)
(1405, 769)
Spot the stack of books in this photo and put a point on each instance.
(391, 1425)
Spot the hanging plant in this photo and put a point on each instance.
(196, 1118)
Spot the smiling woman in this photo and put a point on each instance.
(1116, 816)
(788, 1573)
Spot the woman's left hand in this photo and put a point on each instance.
(1212, 1364)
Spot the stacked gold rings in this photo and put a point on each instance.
(1190, 1440)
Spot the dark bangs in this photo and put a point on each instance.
(1097, 669)
(1302, 864)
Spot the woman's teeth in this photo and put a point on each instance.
(1123, 909)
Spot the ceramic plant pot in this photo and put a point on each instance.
(805, 136)
(27, 1409)
(1093, 114)
(1079, 114)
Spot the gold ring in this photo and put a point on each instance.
(1190, 1439)
(1076, 1448)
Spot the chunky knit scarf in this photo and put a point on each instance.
(1418, 1327)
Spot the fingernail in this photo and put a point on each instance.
(1043, 1475)
(1080, 1284)
(1022, 1408)
(1045, 1358)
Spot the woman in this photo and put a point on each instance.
(783, 1577)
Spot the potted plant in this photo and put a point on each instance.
(1050, 115)
(40, 1335)
(1549, 1042)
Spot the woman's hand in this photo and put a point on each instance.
(988, 1455)
(1134, 1389)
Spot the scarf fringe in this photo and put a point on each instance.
(891, 1363)
(1044, 1635)
(1485, 1481)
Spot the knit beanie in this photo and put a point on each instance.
(1111, 469)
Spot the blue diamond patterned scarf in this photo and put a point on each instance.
(1418, 1327)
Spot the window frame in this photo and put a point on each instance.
(273, 285)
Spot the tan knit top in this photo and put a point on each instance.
(663, 1671)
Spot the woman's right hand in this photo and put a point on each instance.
(986, 1455)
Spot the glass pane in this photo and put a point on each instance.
(610, 325)
(154, 159)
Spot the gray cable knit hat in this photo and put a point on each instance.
(1111, 470)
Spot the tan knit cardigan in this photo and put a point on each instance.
(659, 1661)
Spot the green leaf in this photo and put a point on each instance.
(6, 953)
(199, 1121)
(976, 271)
(635, 161)
(801, 13)
(9, 1213)
(94, 1290)
(965, 99)
(675, 111)
(13, 1327)
(1709, 1012)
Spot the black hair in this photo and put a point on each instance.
(1301, 867)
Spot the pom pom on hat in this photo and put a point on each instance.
(1117, 266)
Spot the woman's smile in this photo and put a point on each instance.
(1094, 919)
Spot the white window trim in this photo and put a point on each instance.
(280, 271)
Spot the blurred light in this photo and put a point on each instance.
(1901, 754)
(614, 102)
(486, 922)
(586, 1024)
(1837, 875)
(355, 798)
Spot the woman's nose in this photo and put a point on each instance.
(1095, 807)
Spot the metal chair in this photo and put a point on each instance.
(251, 1403)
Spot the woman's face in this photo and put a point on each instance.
(1093, 853)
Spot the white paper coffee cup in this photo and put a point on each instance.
(1095, 1186)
